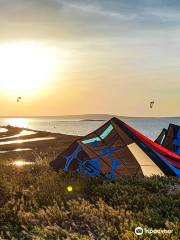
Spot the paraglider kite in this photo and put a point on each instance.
(18, 99)
(151, 104)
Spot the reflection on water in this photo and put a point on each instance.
(150, 127)
(3, 130)
(21, 163)
(17, 150)
(22, 149)
(21, 134)
(26, 140)
(17, 122)
(53, 124)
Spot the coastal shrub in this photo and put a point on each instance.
(35, 204)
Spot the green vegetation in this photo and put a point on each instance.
(36, 205)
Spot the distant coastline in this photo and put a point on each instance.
(91, 117)
(92, 120)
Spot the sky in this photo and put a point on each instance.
(104, 57)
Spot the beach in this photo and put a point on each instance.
(90, 120)
(31, 139)
(20, 144)
(37, 202)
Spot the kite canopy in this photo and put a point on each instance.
(18, 99)
(116, 149)
(152, 104)
(161, 136)
(171, 139)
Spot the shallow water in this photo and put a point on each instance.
(3, 130)
(17, 150)
(21, 163)
(150, 127)
(21, 134)
(26, 140)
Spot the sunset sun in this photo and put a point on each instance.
(25, 67)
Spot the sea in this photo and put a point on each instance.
(150, 127)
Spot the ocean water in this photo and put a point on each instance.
(150, 127)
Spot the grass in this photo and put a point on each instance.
(36, 205)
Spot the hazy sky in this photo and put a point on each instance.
(112, 56)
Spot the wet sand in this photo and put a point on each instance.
(32, 146)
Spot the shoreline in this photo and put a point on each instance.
(48, 148)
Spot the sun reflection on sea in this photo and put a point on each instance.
(18, 122)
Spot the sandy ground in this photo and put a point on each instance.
(41, 149)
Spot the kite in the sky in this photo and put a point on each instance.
(18, 99)
(152, 104)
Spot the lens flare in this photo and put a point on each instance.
(69, 188)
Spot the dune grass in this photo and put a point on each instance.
(35, 205)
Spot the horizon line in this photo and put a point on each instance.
(83, 115)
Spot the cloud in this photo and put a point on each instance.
(75, 20)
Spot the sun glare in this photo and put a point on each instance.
(18, 122)
(25, 67)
